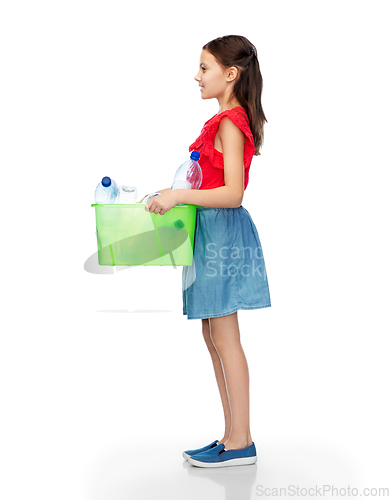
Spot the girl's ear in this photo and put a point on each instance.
(231, 74)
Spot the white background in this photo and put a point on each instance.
(104, 382)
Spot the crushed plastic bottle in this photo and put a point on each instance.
(127, 195)
(189, 174)
(145, 200)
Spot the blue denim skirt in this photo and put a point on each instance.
(228, 269)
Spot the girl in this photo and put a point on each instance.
(228, 271)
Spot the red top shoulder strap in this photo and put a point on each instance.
(239, 117)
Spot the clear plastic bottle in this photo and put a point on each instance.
(189, 174)
(106, 191)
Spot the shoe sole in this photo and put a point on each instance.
(227, 463)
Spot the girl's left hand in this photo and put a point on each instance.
(162, 203)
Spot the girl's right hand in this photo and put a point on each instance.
(161, 192)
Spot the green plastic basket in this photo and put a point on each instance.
(128, 235)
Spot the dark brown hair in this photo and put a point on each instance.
(235, 50)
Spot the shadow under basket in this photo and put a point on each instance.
(128, 235)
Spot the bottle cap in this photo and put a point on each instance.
(106, 181)
(178, 223)
(195, 155)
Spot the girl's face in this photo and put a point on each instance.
(211, 77)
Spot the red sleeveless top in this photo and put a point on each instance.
(211, 160)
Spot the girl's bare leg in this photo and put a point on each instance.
(219, 376)
(225, 338)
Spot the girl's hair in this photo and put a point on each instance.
(235, 50)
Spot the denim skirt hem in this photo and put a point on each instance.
(227, 313)
(228, 270)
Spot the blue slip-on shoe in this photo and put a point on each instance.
(219, 457)
(188, 453)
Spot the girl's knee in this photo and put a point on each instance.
(224, 331)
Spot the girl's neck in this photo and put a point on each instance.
(226, 107)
